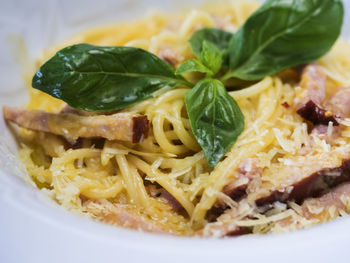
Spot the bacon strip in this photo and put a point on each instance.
(220, 229)
(324, 208)
(310, 99)
(339, 103)
(120, 126)
(297, 181)
(248, 171)
(321, 132)
(165, 196)
(300, 183)
(121, 216)
(311, 96)
(320, 209)
(248, 179)
(313, 86)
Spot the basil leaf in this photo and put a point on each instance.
(211, 56)
(210, 63)
(218, 37)
(97, 78)
(282, 34)
(193, 65)
(216, 119)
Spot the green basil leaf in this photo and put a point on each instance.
(216, 36)
(193, 65)
(216, 119)
(95, 78)
(282, 34)
(211, 56)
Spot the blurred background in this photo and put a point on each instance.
(36, 24)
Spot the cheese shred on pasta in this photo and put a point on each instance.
(113, 180)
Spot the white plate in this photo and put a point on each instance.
(35, 229)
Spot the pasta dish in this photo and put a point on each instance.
(217, 122)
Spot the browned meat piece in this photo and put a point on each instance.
(307, 185)
(313, 86)
(119, 126)
(123, 217)
(248, 171)
(165, 196)
(329, 206)
(324, 208)
(339, 103)
(126, 219)
(170, 56)
(249, 178)
(338, 107)
(335, 198)
(321, 131)
(311, 96)
(311, 112)
(220, 229)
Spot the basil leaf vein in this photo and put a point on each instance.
(193, 65)
(211, 56)
(282, 34)
(219, 38)
(215, 117)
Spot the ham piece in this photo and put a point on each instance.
(321, 209)
(311, 96)
(120, 126)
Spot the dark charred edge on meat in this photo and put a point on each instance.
(140, 128)
(214, 212)
(160, 192)
(240, 231)
(76, 144)
(175, 205)
(313, 113)
(314, 185)
(237, 231)
(236, 194)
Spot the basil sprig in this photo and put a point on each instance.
(210, 61)
(215, 117)
(219, 38)
(279, 35)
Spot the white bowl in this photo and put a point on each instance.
(33, 228)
